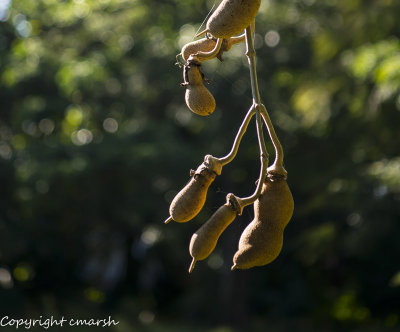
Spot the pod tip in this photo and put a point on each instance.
(201, 33)
(168, 220)
(192, 264)
(234, 267)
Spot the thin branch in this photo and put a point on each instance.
(243, 127)
(251, 57)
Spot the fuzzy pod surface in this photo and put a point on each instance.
(205, 239)
(190, 200)
(262, 239)
(231, 17)
(197, 97)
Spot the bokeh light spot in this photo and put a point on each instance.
(23, 272)
(5, 278)
(82, 137)
(94, 295)
(46, 126)
(74, 116)
(110, 125)
(272, 38)
(215, 261)
(150, 236)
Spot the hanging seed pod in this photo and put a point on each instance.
(207, 45)
(231, 17)
(197, 97)
(201, 45)
(261, 241)
(190, 200)
(205, 239)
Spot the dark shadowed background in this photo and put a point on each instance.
(95, 141)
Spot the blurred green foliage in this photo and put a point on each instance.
(95, 141)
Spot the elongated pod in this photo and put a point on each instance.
(190, 200)
(261, 241)
(197, 97)
(231, 17)
(205, 239)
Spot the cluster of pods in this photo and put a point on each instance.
(261, 241)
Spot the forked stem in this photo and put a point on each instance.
(277, 167)
(251, 55)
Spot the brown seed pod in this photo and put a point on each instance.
(261, 241)
(190, 200)
(205, 239)
(207, 45)
(201, 45)
(231, 17)
(197, 97)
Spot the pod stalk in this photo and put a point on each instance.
(263, 173)
(277, 167)
(202, 56)
(236, 39)
(242, 129)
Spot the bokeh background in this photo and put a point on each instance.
(95, 141)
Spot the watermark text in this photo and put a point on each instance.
(46, 323)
